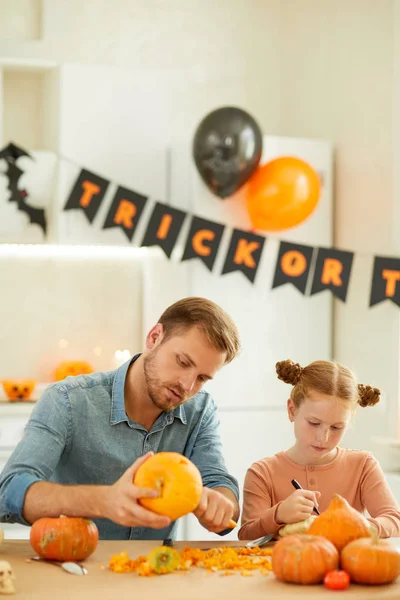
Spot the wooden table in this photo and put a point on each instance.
(36, 580)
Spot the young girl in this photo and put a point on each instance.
(321, 403)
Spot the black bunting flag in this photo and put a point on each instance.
(332, 272)
(293, 265)
(244, 253)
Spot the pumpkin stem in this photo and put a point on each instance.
(160, 485)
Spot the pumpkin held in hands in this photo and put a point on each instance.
(177, 480)
(340, 523)
(371, 561)
(64, 538)
(303, 558)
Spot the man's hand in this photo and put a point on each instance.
(120, 501)
(214, 510)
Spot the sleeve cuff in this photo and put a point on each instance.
(227, 485)
(269, 522)
(233, 489)
(14, 498)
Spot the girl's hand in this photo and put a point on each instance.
(297, 507)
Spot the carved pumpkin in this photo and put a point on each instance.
(303, 558)
(177, 480)
(17, 390)
(371, 561)
(340, 523)
(64, 538)
(72, 368)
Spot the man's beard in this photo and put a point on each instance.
(155, 388)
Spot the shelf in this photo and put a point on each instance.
(26, 64)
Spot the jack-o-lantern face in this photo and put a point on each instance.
(18, 389)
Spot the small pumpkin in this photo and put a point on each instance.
(72, 368)
(340, 523)
(64, 538)
(18, 389)
(371, 561)
(177, 480)
(303, 558)
(298, 527)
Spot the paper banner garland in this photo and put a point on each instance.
(310, 270)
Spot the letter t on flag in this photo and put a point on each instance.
(87, 194)
(385, 280)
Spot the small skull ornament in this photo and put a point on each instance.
(7, 578)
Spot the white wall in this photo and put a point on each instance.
(209, 53)
(338, 82)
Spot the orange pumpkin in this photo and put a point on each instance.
(340, 523)
(64, 538)
(371, 561)
(177, 480)
(72, 368)
(18, 389)
(303, 558)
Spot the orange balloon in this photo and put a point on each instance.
(282, 193)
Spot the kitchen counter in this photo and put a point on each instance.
(36, 580)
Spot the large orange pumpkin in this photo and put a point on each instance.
(177, 480)
(340, 523)
(72, 368)
(303, 558)
(371, 561)
(64, 538)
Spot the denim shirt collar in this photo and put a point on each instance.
(118, 413)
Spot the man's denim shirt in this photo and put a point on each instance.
(79, 433)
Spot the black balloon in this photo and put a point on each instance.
(227, 149)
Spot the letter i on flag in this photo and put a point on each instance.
(164, 227)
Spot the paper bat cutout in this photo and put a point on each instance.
(13, 173)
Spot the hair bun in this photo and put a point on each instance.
(367, 395)
(288, 371)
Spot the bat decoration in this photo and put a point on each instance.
(10, 154)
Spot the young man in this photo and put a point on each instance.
(88, 434)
